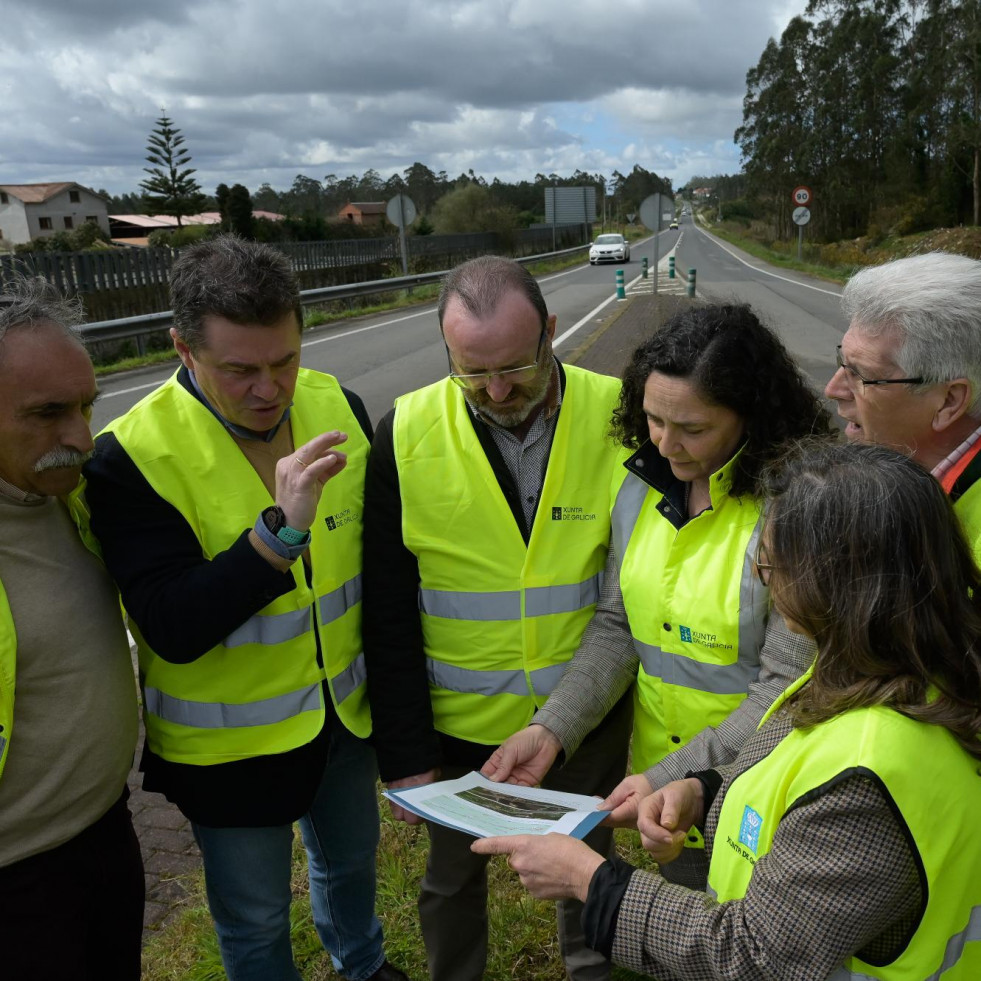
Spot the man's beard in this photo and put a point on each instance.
(59, 457)
(534, 394)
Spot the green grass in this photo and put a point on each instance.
(523, 944)
(780, 258)
(137, 361)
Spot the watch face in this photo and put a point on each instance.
(274, 518)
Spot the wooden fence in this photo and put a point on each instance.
(133, 281)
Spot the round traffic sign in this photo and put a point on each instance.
(801, 216)
(400, 208)
(802, 195)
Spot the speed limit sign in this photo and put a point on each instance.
(802, 196)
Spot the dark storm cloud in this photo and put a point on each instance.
(263, 92)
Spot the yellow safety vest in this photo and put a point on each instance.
(259, 691)
(936, 788)
(8, 673)
(696, 608)
(968, 510)
(500, 618)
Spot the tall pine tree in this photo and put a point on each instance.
(170, 189)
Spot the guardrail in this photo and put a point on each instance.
(140, 327)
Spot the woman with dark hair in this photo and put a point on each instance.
(844, 838)
(706, 403)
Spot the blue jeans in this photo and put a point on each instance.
(247, 874)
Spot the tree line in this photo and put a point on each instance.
(875, 105)
(468, 203)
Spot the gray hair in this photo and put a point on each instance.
(31, 301)
(245, 282)
(481, 283)
(933, 302)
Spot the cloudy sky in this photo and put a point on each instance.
(264, 90)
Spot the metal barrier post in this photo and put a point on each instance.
(621, 292)
(643, 267)
(670, 267)
(691, 282)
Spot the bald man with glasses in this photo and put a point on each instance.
(909, 370)
(486, 531)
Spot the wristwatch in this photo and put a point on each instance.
(274, 519)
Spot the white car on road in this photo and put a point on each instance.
(609, 248)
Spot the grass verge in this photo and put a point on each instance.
(523, 944)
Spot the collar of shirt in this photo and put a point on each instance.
(240, 431)
(941, 469)
(552, 404)
(8, 490)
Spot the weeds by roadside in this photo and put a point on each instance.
(523, 944)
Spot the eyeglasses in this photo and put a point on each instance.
(763, 565)
(854, 375)
(514, 376)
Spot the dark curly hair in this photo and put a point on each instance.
(733, 361)
(868, 557)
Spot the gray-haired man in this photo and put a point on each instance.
(71, 877)
(909, 369)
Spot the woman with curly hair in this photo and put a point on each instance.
(707, 402)
(843, 838)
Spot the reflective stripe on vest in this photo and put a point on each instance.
(222, 715)
(470, 682)
(715, 679)
(266, 711)
(540, 601)
(278, 627)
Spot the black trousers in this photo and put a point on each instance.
(76, 911)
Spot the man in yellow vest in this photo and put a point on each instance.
(71, 876)
(486, 534)
(909, 370)
(228, 504)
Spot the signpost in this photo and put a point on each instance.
(401, 211)
(802, 197)
(650, 216)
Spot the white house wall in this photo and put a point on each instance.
(60, 206)
(13, 221)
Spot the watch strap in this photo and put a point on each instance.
(268, 527)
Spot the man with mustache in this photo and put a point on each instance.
(228, 504)
(71, 876)
(486, 533)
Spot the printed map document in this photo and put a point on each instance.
(479, 807)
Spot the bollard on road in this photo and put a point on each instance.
(670, 267)
(643, 268)
(691, 282)
(621, 292)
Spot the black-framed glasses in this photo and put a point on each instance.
(763, 564)
(854, 375)
(514, 376)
